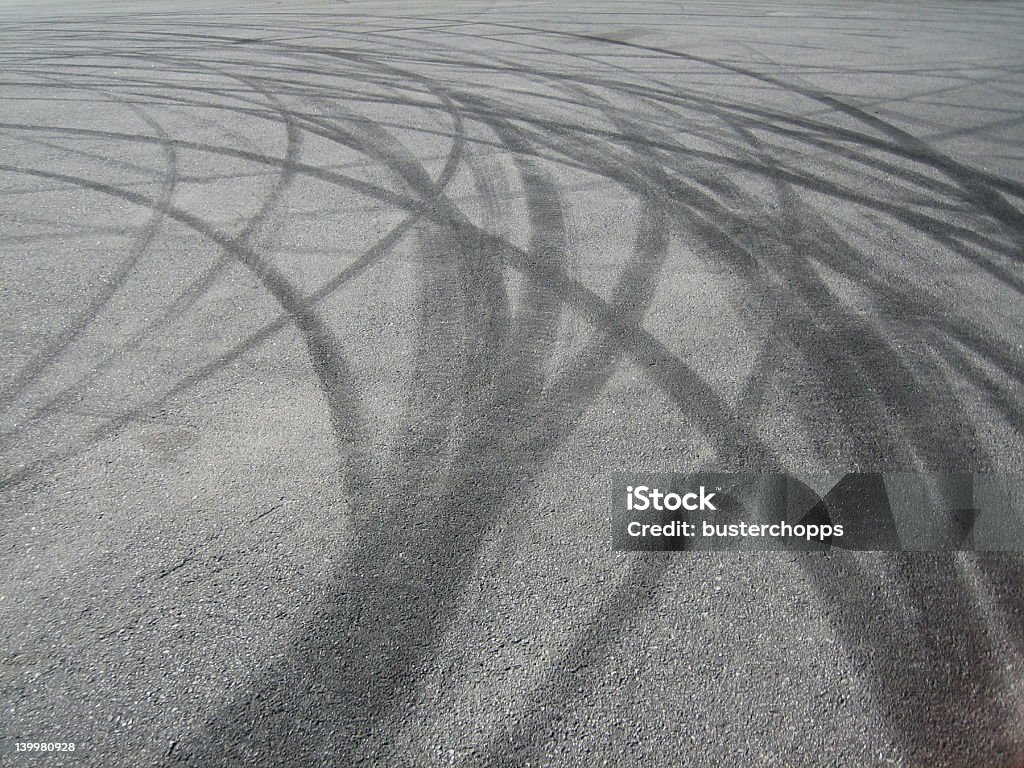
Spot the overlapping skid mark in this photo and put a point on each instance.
(941, 669)
(909, 386)
(411, 571)
(73, 392)
(298, 311)
(517, 743)
(588, 298)
(945, 452)
(910, 702)
(514, 423)
(577, 385)
(892, 139)
(188, 297)
(881, 384)
(79, 324)
(694, 203)
(874, 386)
(889, 297)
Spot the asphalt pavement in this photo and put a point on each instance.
(326, 325)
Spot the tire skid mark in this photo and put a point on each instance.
(573, 390)
(535, 326)
(79, 324)
(327, 359)
(189, 296)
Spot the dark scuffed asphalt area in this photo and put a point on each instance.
(326, 325)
